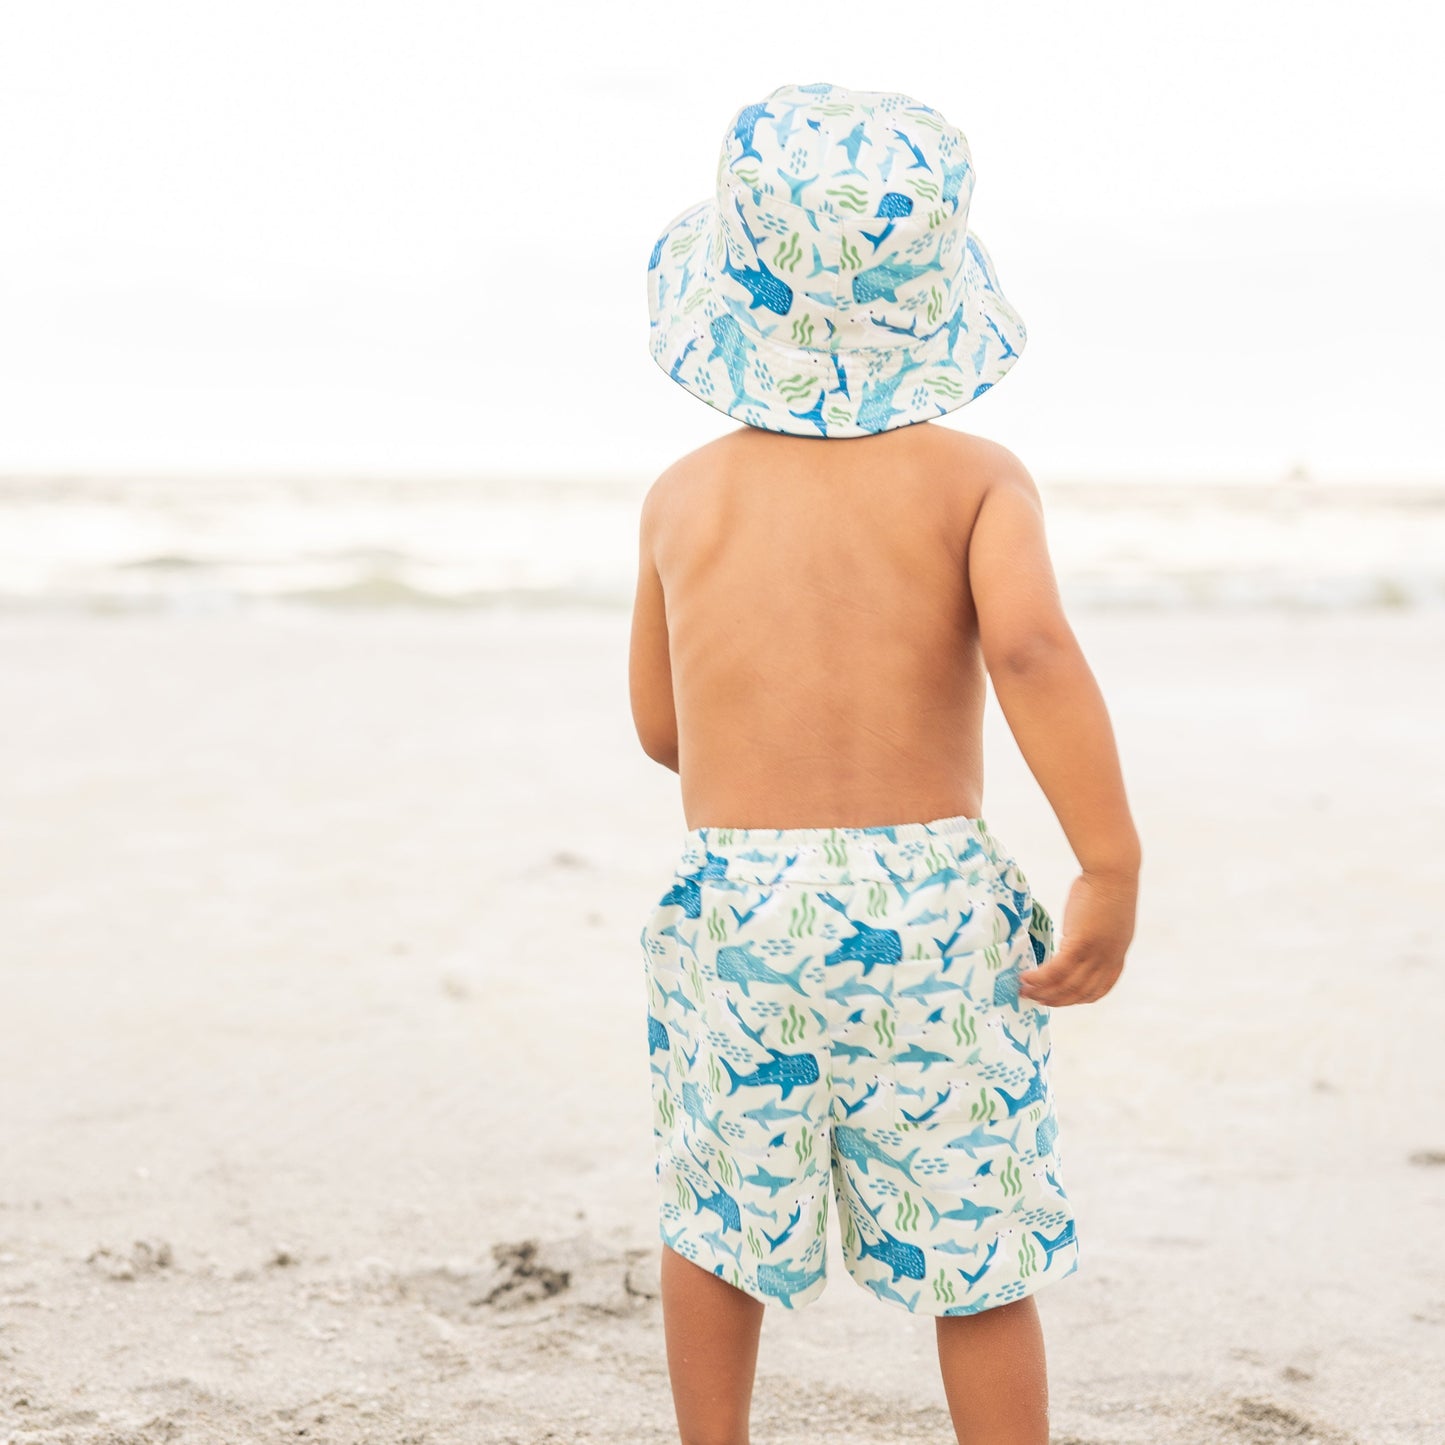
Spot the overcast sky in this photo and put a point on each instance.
(394, 239)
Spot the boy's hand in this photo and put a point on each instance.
(1098, 926)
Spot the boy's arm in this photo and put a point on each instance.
(1056, 712)
(649, 666)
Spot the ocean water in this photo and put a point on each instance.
(176, 545)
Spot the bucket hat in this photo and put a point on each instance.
(831, 286)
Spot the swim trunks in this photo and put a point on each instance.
(842, 1005)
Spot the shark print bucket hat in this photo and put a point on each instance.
(831, 286)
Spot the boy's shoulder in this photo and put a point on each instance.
(958, 460)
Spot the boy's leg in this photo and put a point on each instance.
(994, 1375)
(712, 1351)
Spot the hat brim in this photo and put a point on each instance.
(741, 363)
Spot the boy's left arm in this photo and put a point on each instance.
(649, 665)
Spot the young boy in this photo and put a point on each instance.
(849, 981)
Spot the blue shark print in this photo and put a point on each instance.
(858, 1145)
(880, 282)
(763, 1180)
(815, 414)
(920, 162)
(729, 343)
(828, 205)
(904, 1260)
(687, 888)
(916, 1054)
(852, 143)
(893, 205)
(677, 365)
(765, 288)
(862, 1101)
(782, 1071)
(877, 404)
(979, 1137)
(781, 1283)
(967, 1211)
(1065, 1236)
(740, 965)
(773, 1113)
(721, 1203)
(817, 1037)
(784, 1234)
(746, 127)
(931, 1110)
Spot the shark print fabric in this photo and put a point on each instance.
(831, 287)
(835, 1014)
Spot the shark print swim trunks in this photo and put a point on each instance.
(841, 1005)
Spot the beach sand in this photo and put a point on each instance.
(325, 1081)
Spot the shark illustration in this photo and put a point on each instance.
(930, 1111)
(1034, 1094)
(854, 1144)
(841, 373)
(783, 124)
(982, 263)
(657, 1035)
(772, 1113)
(953, 177)
(729, 343)
(967, 1212)
(952, 1246)
(672, 931)
(785, 1072)
(852, 143)
(774, 1240)
(904, 1259)
(1008, 350)
(767, 886)
(934, 983)
(675, 370)
(1045, 1135)
(719, 1201)
(881, 281)
(819, 269)
(876, 408)
(761, 1179)
(918, 161)
(814, 414)
(852, 1052)
(892, 206)
(686, 891)
(783, 1283)
(855, 986)
(866, 945)
(747, 123)
(886, 1291)
(976, 1275)
(915, 1053)
(768, 290)
(737, 963)
(1063, 1237)
(979, 1137)
(850, 1109)
(945, 945)
(721, 1246)
(696, 1110)
(795, 186)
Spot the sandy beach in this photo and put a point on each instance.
(325, 1080)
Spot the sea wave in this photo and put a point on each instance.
(206, 545)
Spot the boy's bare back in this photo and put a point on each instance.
(822, 634)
